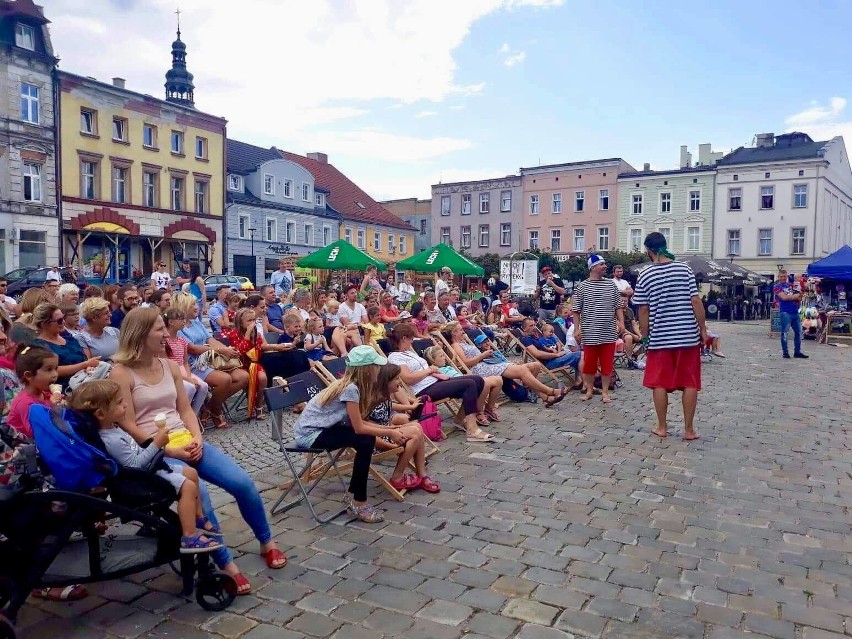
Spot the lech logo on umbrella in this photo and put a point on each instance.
(432, 257)
(333, 255)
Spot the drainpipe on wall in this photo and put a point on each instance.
(57, 165)
(816, 213)
(225, 199)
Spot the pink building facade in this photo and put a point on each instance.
(571, 208)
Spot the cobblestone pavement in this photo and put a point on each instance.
(578, 524)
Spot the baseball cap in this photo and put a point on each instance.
(479, 339)
(364, 356)
(595, 259)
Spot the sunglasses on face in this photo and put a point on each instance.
(58, 320)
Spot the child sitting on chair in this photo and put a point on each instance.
(101, 400)
(315, 343)
(436, 356)
(374, 330)
(548, 341)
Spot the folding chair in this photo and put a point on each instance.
(458, 363)
(553, 373)
(331, 370)
(300, 388)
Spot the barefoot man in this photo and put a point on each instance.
(599, 317)
(671, 320)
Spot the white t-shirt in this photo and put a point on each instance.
(414, 363)
(332, 319)
(356, 316)
(53, 276)
(622, 284)
(305, 314)
(162, 281)
(441, 287)
(8, 303)
(406, 292)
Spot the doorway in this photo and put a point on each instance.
(246, 266)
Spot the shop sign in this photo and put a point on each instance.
(280, 249)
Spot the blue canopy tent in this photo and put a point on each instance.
(837, 266)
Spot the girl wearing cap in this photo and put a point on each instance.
(333, 419)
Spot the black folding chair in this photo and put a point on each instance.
(280, 399)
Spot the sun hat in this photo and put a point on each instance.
(364, 356)
(479, 339)
(595, 259)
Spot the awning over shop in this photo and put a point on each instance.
(837, 266)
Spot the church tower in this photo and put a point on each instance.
(179, 86)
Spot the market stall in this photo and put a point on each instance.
(432, 260)
(339, 256)
(832, 278)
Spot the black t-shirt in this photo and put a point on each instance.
(499, 285)
(549, 299)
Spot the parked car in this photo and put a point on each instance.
(245, 283)
(212, 282)
(35, 278)
(18, 274)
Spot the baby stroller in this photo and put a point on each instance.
(99, 522)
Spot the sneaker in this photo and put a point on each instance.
(800, 356)
(366, 513)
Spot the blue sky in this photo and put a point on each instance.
(403, 93)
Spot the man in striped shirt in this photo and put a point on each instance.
(599, 318)
(671, 320)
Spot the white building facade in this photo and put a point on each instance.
(786, 201)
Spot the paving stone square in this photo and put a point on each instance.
(579, 523)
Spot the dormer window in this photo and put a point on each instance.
(319, 199)
(25, 36)
(268, 184)
(235, 183)
(306, 192)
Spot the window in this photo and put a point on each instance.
(391, 243)
(32, 182)
(149, 136)
(533, 205)
(556, 205)
(33, 248)
(637, 204)
(533, 239)
(306, 192)
(733, 241)
(555, 240)
(635, 239)
(764, 241)
(201, 148)
(465, 209)
(505, 235)
(201, 194)
(377, 241)
(29, 103)
(326, 235)
(235, 183)
(735, 199)
(445, 234)
(24, 36)
(422, 227)
(290, 232)
(271, 230)
(119, 184)
(505, 201)
(484, 202)
(288, 188)
(693, 238)
(483, 235)
(177, 194)
(465, 237)
(362, 238)
(319, 200)
(445, 205)
(149, 189)
(309, 234)
(798, 236)
(244, 224)
(88, 122)
(579, 240)
(695, 200)
(767, 197)
(665, 202)
(268, 184)
(800, 196)
(119, 129)
(89, 179)
(177, 142)
(579, 201)
(603, 200)
(666, 232)
(347, 235)
(402, 245)
(603, 238)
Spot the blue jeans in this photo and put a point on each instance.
(791, 320)
(568, 359)
(220, 470)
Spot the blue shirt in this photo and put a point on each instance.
(117, 318)
(217, 311)
(195, 333)
(274, 313)
(69, 353)
(785, 306)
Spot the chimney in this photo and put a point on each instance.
(646, 166)
(685, 157)
(762, 140)
(322, 158)
(118, 82)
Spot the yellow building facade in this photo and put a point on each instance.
(141, 181)
(385, 243)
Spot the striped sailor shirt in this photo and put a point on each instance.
(596, 301)
(667, 289)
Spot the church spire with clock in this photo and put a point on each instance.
(179, 86)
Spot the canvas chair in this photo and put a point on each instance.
(553, 373)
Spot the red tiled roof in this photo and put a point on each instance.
(344, 195)
(26, 8)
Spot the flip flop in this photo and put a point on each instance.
(558, 399)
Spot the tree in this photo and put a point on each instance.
(490, 262)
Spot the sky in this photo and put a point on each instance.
(404, 94)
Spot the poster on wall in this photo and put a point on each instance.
(524, 277)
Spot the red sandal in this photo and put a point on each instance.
(428, 485)
(243, 585)
(408, 482)
(275, 559)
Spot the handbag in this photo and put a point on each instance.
(101, 371)
(216, 361)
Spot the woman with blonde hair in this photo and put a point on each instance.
(98, 336)
(223, 384)
(151, 385)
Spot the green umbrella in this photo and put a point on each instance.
(434, 259)
(341, 256)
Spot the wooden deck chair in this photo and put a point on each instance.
(457, 361)
(331, 369)
(552, 373)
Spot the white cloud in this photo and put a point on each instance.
(382, 145)
(383, 187)
(822, 122)
(426, 114)
(510, 57)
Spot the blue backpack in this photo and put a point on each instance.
(75, 465)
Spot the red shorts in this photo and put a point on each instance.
(673, 368)
(599, 355)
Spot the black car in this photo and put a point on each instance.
(34, 278)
